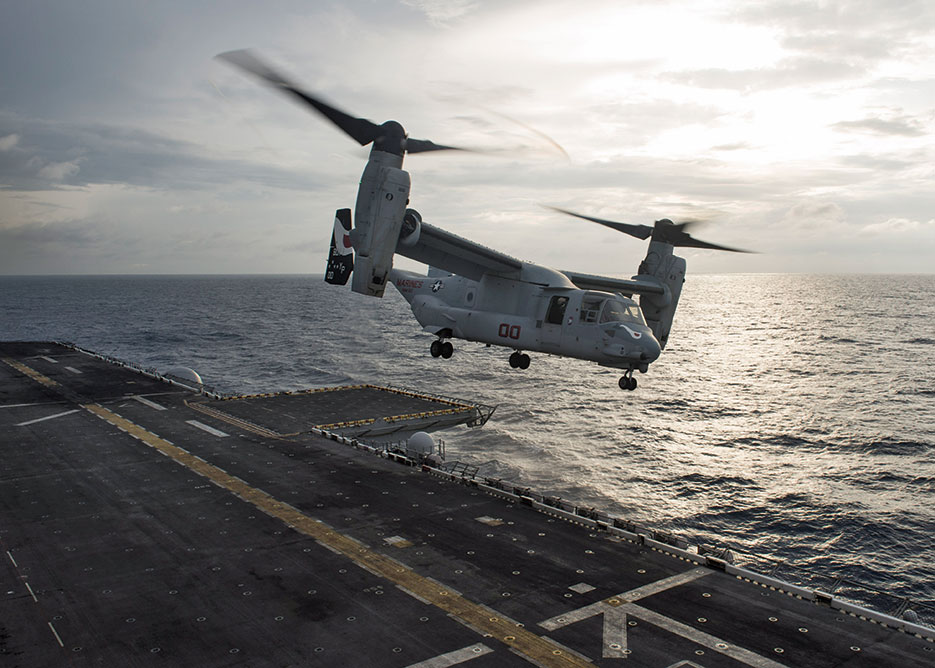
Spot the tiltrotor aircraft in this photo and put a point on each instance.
(475, 293)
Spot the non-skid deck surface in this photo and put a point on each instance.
(136, 531)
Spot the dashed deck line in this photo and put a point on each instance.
(32, 373)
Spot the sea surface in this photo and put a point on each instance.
(791, 416)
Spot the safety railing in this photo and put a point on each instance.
(847, 595)
(151, 372)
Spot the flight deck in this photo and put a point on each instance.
(143, 522)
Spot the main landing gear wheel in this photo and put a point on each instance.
(627, 382)
(519, 360)
(441, 349)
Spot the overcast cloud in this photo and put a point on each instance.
(803, 130)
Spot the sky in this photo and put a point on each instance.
(800, 130)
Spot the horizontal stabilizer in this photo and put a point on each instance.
(341, 255)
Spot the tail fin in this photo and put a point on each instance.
(341, 256)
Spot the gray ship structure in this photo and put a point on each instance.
(146, 521)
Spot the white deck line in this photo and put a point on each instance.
(72, 369)
(601, 607)
(47, 417)
(204, 427)
(700, 637)
(147, 402)
(48, 359)
(35, 403)
(57, 637)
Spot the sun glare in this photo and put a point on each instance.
(687, 37)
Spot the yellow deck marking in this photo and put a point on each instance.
(35, 375)
(479, 617)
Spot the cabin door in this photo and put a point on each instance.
(553, 321)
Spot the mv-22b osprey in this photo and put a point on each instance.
(475, 293)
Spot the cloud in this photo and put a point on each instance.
(790, 72)
(877, 163)
(58, 171)
(859, 20)
(65, 233)
(441, 12)
(8, 142)
(898, 127)
(813, 218)
(48, 153)
(897, 226)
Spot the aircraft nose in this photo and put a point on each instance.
(650, 349)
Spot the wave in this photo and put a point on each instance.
(919, 341)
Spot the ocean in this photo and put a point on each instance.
(791, 416)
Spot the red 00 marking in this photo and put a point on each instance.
(508, 331)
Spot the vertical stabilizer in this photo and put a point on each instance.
(341, 255)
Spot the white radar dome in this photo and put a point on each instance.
(422, 442)
(184, 373)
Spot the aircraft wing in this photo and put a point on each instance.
(625, 286)
(438, 248)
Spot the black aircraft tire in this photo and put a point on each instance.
(436, 348)
(447, 349)
(632, 383)
(623, 383)
(523, 361)
(514, 362)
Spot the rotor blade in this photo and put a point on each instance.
(638, 231)
(688, 241)
(675, 234)
(359, 129)
(423, 145)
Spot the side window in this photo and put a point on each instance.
(590, 308)
(556, 310)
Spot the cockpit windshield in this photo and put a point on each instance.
(620, 311)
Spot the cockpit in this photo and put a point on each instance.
(601, 309)
(616, 310)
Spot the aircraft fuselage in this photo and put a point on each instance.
(564, 320)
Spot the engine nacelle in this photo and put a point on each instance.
(667, 270)
(412, 227)
(381, 203)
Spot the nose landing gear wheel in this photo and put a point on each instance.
(436, 348)
(447, 349)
